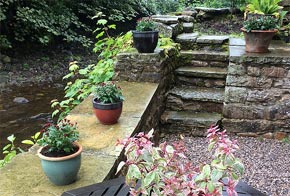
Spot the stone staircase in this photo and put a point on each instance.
(196, 99)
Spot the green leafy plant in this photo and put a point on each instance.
(261, 23)
(263, 7)
(145, 24)
(82, 82)
(60, 137)
(166, 170)
(34, 140)
(9, 151)
(108, 92)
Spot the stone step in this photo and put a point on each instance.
(187, 122)
(202, 72)
(188, 27)
(189, 55)
(192, 41)
(195, 99)
(200, 82)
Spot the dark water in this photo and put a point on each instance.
(24, 120)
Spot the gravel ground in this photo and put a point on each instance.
(267, 162)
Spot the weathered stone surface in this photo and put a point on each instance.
(189, 13)
(20, 100)
(279, 111)
(253, 71)
(248, 81)
(186, 18)
(235, 94)
(170, 31)
(236, 69)
(199, 94)
(200, 82)
(205, 56)
(268, 135)
(212, 39)
(185, 37)
(282, 83)
(266, 96)
(277, 72)
(188, 27)
(203, 72)
(165, 19)
(239, 111)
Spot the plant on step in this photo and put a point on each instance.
(60, 137)
(261, 23)
(145, 24)
(83, 81)
(166, 170)
(108, 92)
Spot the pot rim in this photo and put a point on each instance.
(145, 32)
(60, 158)
(259, 31)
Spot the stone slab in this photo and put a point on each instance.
(206, 72)
(24, 176)
(165, 19)
(212, 39)
(187, 37)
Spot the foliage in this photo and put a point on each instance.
(34, 139)
(261, 23)
(46, 22)
(145, 24)
(165, 170)
(264, 7)
(9, 151)
(222, 3)
(108, 92)
(59, 137)
(83, 81)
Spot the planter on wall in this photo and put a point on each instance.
(146, 41)
(61, 170)
(107, 113)
(258, 41)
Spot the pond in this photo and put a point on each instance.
(25, 119)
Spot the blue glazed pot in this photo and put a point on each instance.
(61, 170)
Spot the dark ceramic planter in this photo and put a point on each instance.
(61, 170)
(258, 41)
(107, 113)
(145, 42)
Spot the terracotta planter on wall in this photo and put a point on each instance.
(145, 42)
(61, 170)
(258, 41)
(107, 113)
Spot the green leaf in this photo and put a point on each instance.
(11, 138)
(206, 170)
(55, 112)
(6, 147)
(239, 167)
(149, 178)
(210, 187)
(102, 21)
(134, 172)
(216, 175)
(28, 142)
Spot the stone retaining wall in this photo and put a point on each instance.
(257, 95)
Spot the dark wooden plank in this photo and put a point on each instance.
(117, 187)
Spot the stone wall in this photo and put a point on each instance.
(155, 67)
(257, 95)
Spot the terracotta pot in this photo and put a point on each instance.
(258, 41)
(107, 113)
(145, 42)
(61, 170)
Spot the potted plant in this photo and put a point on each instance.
(145, 37)
(166, 170)
(108, 102)
(258, 32)
(60, 154)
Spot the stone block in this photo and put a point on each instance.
(188, 27)
(280, 135)
(236, 69)
(198, 63)
(265, 96)
(218, 64)
(189, 13)
(186, 18)
(277, 72)
(165, 19)
(248, 81)
(268, 135)
(187, 37)
(279, 111)
(246, 126)
(235, 94)
(253, 71)
(212, 39)
(282, 83)
(241, 111)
